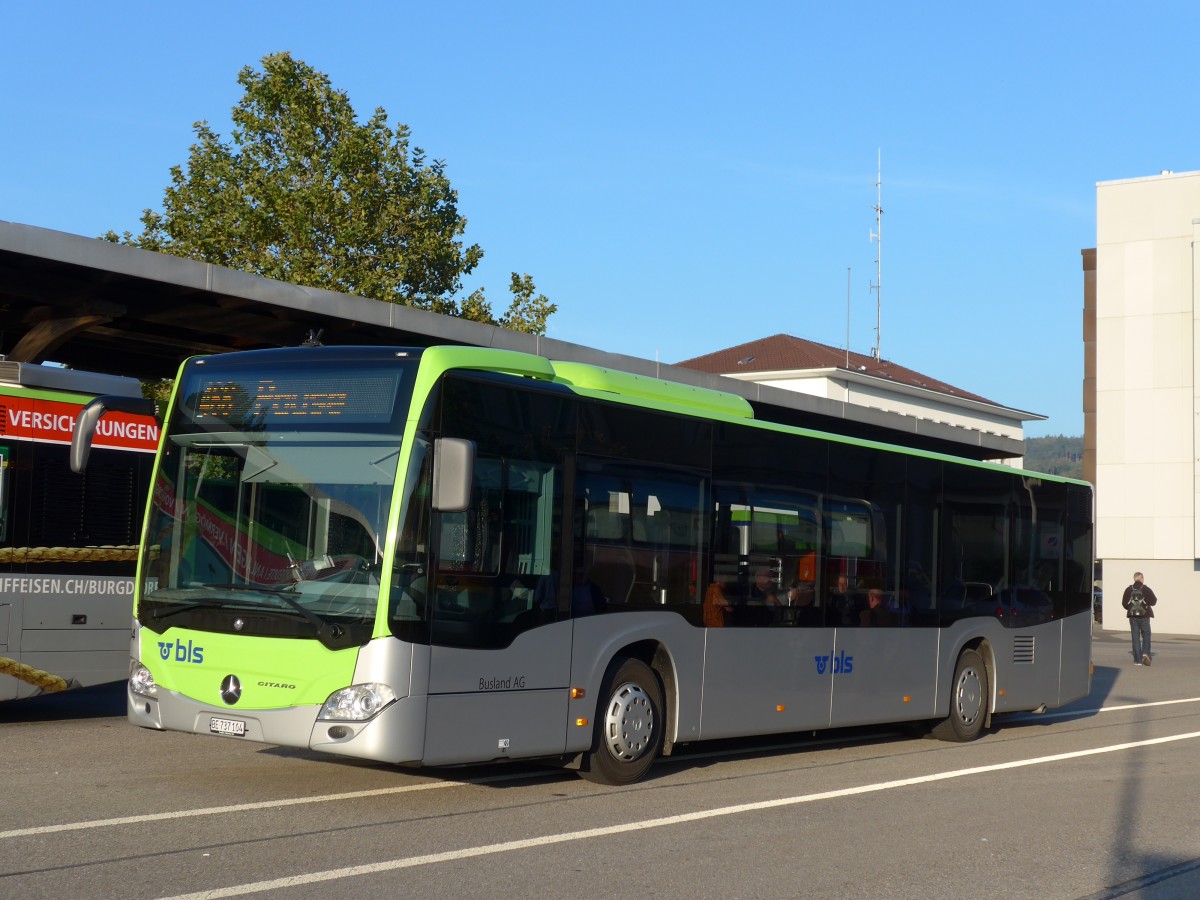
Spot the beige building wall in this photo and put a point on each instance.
(1089, 365)
(1147, 393)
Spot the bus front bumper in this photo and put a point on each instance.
(394, 735)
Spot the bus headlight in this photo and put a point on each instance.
(357, 703)
(141, 681)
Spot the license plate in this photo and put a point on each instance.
(227, 726)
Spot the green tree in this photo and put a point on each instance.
(305, 193)
(1055, 455)
(527, 312)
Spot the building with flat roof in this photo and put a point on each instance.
(1142, 391)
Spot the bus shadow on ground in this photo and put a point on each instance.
(1104, 678)
(98, 702)
(698, 755)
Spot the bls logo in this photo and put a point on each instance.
(840, 664)
(185, 654)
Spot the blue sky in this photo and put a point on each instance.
(679, 177)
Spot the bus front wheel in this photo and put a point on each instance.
(968, 700)
(629, 725)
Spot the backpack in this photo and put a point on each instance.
(1137, 603)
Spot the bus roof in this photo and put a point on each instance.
(72, 380)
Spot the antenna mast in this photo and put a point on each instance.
(847, 317)
(877, 237)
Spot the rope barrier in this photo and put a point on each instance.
(106, 553)
(48, 682)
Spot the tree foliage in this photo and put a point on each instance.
(1055, 455)
(305, 193)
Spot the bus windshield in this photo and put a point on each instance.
(271, 502)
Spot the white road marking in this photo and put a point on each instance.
(1077, 713)
(247, 807)
(355, 795)
(546, 840)
(437, 785)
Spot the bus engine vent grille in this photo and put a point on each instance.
(1023, 649)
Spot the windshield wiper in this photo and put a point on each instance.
(331, 634)
(280, 593)
(166, 612)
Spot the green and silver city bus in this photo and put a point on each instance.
(456, 555)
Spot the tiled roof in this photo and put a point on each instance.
(782, 353)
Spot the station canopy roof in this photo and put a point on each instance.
(104, 307)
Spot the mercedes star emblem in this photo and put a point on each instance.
(231, 689)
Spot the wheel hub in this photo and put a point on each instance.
(629, 723)
(969, 697)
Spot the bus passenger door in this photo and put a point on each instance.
(767, 662)
(884, 661)
(500, 635)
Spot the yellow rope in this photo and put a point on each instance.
(107, 553)
(49, 683)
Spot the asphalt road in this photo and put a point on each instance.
(1097, 800)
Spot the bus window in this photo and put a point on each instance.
(496, 570)
(849, 529)
(638, 535)
(766, 552)
(918, 587)
(974, 558)
(1045, 580)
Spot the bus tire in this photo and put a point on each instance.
(968, 700)
(629, 725)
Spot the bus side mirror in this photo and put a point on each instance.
(89, 416)
(453, 474)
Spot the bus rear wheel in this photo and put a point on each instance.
(968, 700)
(628, 725)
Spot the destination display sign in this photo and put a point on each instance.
(345, 398)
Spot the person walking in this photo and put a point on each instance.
(1139, 602)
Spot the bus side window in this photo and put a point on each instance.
(638, 536)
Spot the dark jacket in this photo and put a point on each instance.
(1147, 594)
